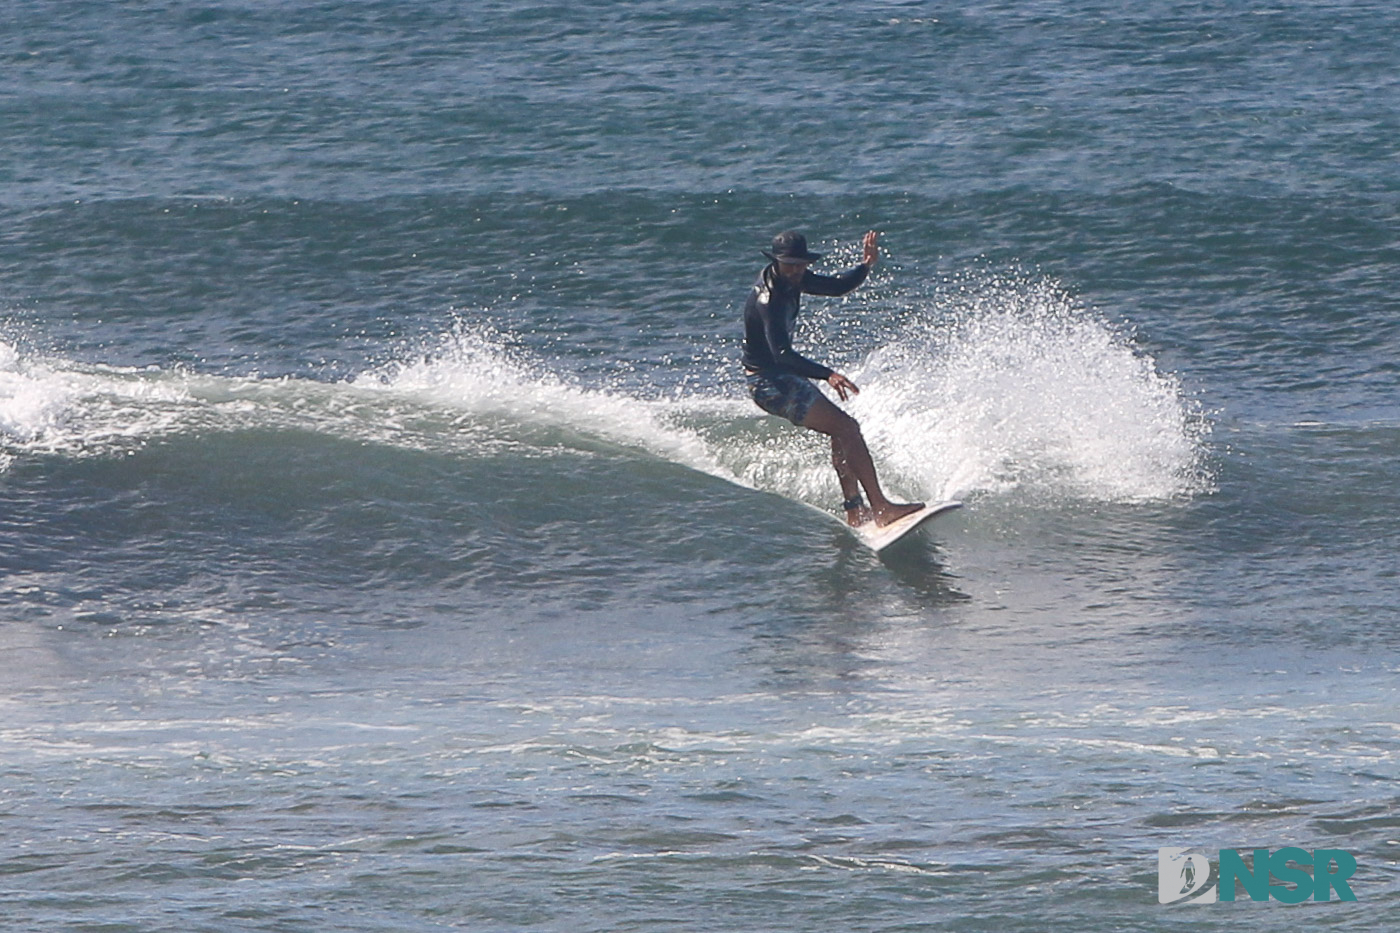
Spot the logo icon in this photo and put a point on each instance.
(1184, 876)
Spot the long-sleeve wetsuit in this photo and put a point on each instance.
(770, 312)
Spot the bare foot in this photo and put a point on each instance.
(858, 516)
(893, 512)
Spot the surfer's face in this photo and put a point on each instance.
(792, 272)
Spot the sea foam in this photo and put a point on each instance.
(472, 369)
(50, 405)
(1004, 383)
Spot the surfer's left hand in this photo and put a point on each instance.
(872, 248)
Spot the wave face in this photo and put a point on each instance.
(992, 385)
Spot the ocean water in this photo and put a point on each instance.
(388, 544)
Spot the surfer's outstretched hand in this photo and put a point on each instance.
(843, 386)
(872, 248)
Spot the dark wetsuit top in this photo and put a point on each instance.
(769, 315)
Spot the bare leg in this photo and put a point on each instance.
(826, 418)
(850, 486)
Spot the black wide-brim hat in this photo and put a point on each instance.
(790, 246)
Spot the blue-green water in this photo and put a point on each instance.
(388, 542)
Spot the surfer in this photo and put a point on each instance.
(779, 377)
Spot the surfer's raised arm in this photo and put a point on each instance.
(844, 387)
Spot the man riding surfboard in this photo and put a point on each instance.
(779, 378)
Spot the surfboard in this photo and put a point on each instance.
(878, 538)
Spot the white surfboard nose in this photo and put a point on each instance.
(878, 538)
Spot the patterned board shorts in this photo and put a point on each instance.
(783, 394)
